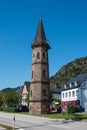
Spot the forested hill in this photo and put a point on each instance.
(9, 89)
(72, 69)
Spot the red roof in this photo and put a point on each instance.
(24, 90)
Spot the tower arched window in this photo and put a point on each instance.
(44, 92)
(38, 55)
(32, 74)
(31, 93)
(33, 55)
(44, 73)
(43, 54)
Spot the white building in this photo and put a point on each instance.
(25, 93)
(75, 91)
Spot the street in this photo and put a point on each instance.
(27, 122)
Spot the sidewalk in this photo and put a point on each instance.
(82, 113)
(1, 128)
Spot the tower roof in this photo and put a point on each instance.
(40, 38)
(40, 34)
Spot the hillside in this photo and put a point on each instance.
(72, 69)
(10, 89)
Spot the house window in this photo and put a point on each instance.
(73, 93)
(38, 55)
(69, 94)
(63, 95)
(66, 94)
(44, 73)
(76, 92)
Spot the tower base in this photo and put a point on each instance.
(39, 107)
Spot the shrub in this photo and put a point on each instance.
(71, 109)
(9, 109)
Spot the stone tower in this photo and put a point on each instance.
(39, 101)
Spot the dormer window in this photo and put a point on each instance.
(70, 85)
(76, 83)
(65, 86)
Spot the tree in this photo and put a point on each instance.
(51, 95)
(71, 108)
(1, 99)
(12, 98)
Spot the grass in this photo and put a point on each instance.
(7, 127)
(64, 116)
(51, 115)
(9, 109)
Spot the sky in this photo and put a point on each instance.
(65, 25)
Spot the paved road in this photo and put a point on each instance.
(26, 122)
(1, 128)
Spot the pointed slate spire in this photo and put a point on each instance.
(40, 38)
(40, 35)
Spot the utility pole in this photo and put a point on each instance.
(14, 122)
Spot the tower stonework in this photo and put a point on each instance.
(39, 101)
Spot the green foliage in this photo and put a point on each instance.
(12, 98)
(71, 108)
(64, 116)
(9, 109)
(9, 89)
(1, 99)
(51, 96)
(72, 69)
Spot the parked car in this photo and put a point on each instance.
(79, 108)
(22, 108)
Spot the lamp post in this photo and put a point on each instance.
(14, 122)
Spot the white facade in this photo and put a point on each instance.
(24, 96)
(75, 92)
(69, 95)
(84, 94)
